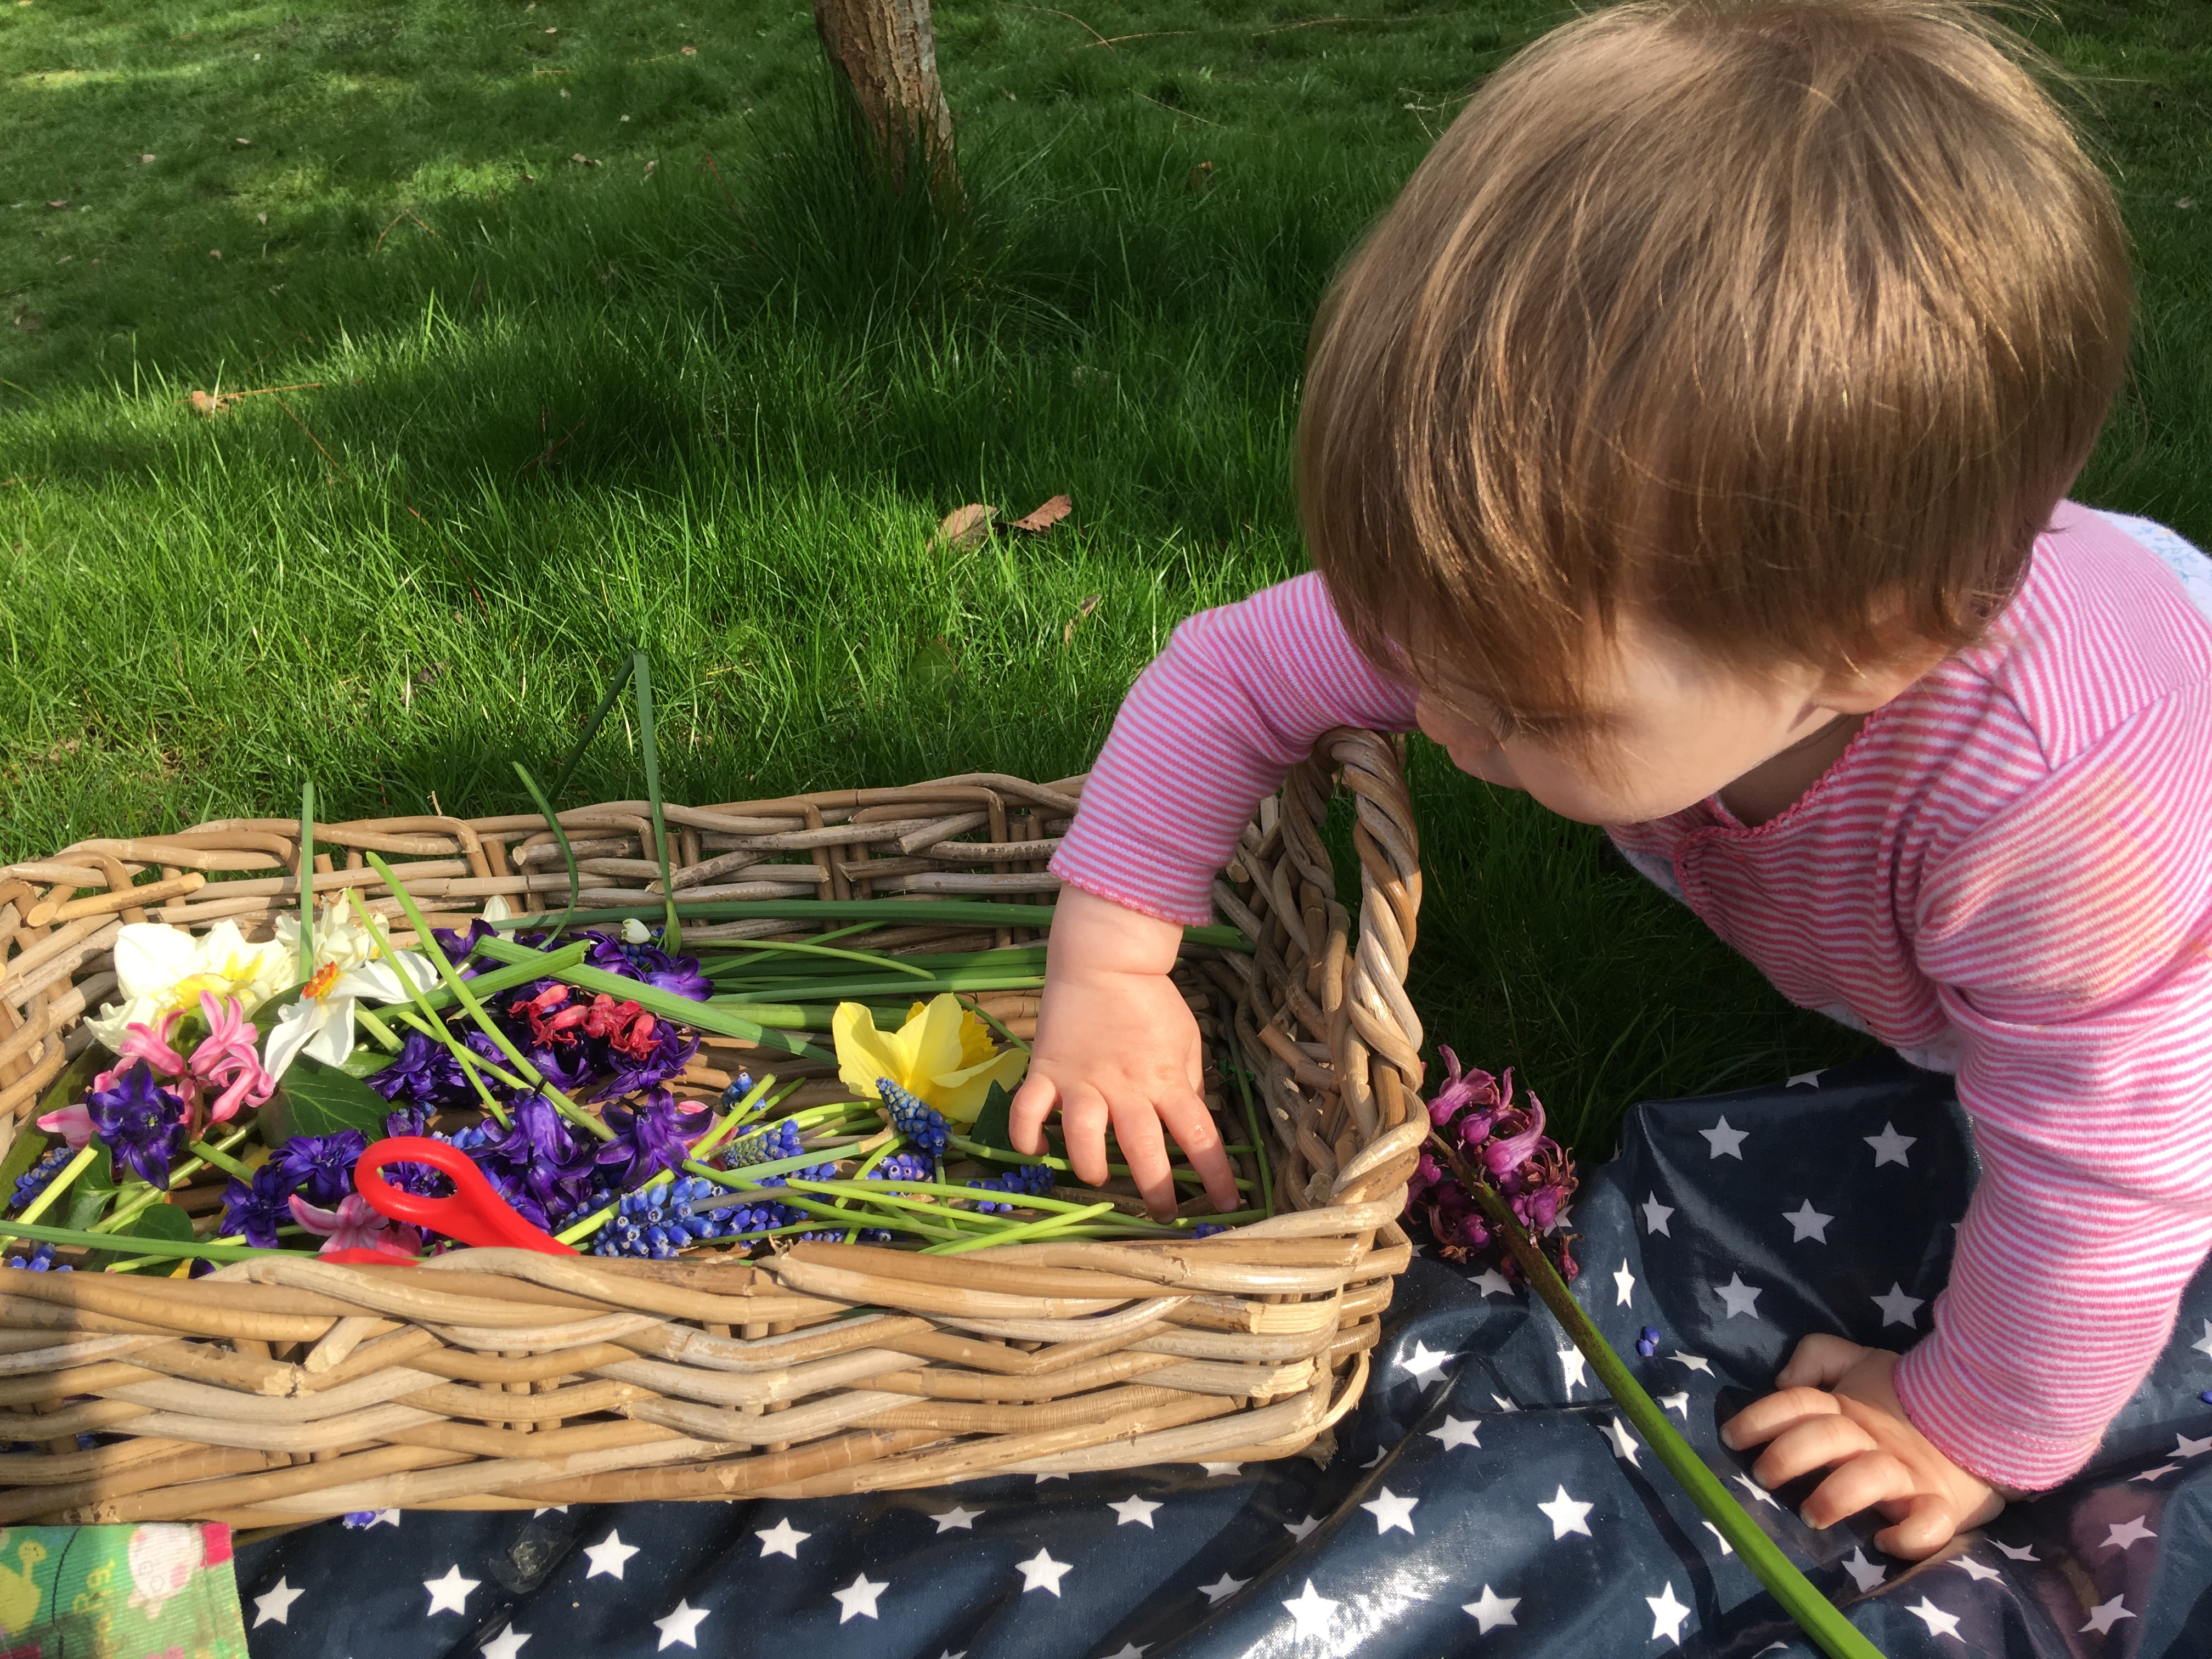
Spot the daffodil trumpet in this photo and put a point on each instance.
(943, 1055)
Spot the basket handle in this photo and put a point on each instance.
(1348, 1131)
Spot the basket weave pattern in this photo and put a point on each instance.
(281, 1389)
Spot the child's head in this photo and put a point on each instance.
(1763, 333)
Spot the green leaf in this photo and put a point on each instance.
(88, 1197)
(991, 1126)
(75, 1077)
(315, 1099)
(365, 1061)
(165, 1221)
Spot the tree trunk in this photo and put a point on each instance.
(887, 52)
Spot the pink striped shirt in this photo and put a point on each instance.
(2008, 874)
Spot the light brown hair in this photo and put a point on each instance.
(1787, 322)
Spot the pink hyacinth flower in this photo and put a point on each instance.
(73, 1123)
(225, 1059)
(150, 1044)
(355, 1224)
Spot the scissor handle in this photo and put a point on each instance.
(476, 1213)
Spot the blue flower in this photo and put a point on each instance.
(920, 1124)
(40, 1260)
(36, 1180)
(142, 1123)
(257, 1210)
(320, 1168)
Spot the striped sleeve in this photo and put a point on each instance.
(2070, 937)
(1216, 723)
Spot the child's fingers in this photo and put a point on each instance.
(1775, 1413)
(1870, 1479)
(1083, 1114)
(1813, 1444)
(1819, 1362)
(1137, 1126)
(1192, 1128)
(1928, 1525)
(1032, 1103)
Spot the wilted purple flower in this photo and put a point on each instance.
(538, 1155)
(320, 1168)
(257, 1210)
(456, 947)
(142, 1123)
(1475, 1112)
(653, 1138)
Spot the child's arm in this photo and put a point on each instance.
(1237, 700)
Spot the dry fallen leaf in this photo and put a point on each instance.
(689, 51)
(243, 144)
(582, 159)
(143, 160)
(966, 526)
(62, 204)
(261, 218)
(1089, 604)
(649, 166)
(1046, 516)
(1202, 176)
(205, 403)
(215, 253)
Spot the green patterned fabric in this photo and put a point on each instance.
(144, 1592)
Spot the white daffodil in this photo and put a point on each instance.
(160, 969)
(350, 967)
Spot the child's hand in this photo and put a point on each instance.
(1116, 1042)
(1836, 1409)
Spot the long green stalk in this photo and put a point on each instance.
(640, 674)
(967, 979)
(561, 836)
(964, 912)
(1031, 1230)
(307, 878)
(1814, 1614)
(665, 1004)
(61, 1183)
(160, 1247)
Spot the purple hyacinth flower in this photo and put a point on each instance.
(320, 1168)
(422, 1073)
(651, 965)
(648, 1140)
(257, 1210)
(142, 1123)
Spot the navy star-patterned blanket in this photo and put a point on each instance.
(1483, 1499)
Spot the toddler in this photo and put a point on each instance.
(1689, 448)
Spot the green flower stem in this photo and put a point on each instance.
(870, 958)
(560, 835)
(882, 912)
(460, 986)
(472, 1065)
(170, 1248)
(505, 979)
(954, 980)
(1001, 1155)
(218, 1157)
(427, 1019)
(1819, 1618)
(665, 1004)
(62, 1182)
(721, 1132)
(1014, 1235)
(598, 1218)
(307, 878)
(941, 1189)
(131, 1200)
(641, 675)
(1258, 1146)
(898, 1220)
(377, 1028)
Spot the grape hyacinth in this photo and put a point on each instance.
(1475, 1113)
(36, 1180)
(1030, 1180)
(923, 1126)
(904, 1166)
(764, 1146)
(1647, 1343)
(40, 1260)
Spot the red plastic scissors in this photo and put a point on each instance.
(476, 1213)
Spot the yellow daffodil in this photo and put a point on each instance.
(162, 970)
(943, 1055)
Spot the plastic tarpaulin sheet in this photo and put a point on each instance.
(1482, 1499)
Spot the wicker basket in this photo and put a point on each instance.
(272, 1392)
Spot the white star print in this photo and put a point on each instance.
(1130, 1650)
(1810, 1079)
(1491, 1611)
(448, 1594)
(550, 1509)
(1726, 1548)
(2204, 1344)
(1503, 1404)
(1491, 1282)
(782, 1539)
(1456, 1432)
(2153, 1474)
(1897, 1307)
(1696, 1362)
(1571, 1368)
(965, 1520)
(681, 1626)
(1865, 1574)
(1741, 1299)
(1655, 1214)
(1222, 1589)
(1666, 1614)
(1806, 1222)
(1889, 1148)
(1974, 1570)
(1311, 1610)
(1624, 1445)
(1133, 1512)
(277, 1604)
(1623, 1285)
(1299, 1530)
(1756, 1490)
(385, 1518)
(506, 1645)
(1422, 1363)
(1677, 1402)
(1939, 1622)
(1042, 1479)
(1380, 1452)
(606, 1556)
(2106, 1614)
(858, 1598)
(1221, 1471)
(1041, 1572)
(2122, 1533)
(2184, 1447)
(1724, 1141)
(1391, 1510)
(1566, 1515)
(2015, 1552)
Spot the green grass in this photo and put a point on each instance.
(762, 383)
